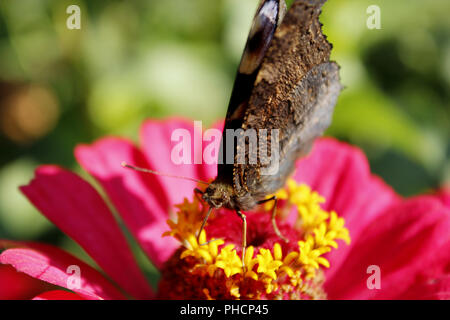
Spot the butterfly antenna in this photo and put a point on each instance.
(126, 165)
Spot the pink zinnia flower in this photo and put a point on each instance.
(407, 239)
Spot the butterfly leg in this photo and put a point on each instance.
(274, 213)
(203, 224)
(244, 235)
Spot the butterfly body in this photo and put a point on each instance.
(284, 93)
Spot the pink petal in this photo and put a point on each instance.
(409, 242)
(341, 174)
(50, 264)
(58, 295)
(139, 198)
(79, 211)
(157, 146)
(19, 286)
(444, 196)
(209, 171)
(429, 289)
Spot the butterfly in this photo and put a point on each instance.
(285, 88)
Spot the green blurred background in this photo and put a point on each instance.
(152, 58)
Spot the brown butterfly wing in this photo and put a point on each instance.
(295, 92)
(267, 18)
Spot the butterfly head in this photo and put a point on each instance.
(218, 195)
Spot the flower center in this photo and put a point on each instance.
(257, 240)
(211, 267)
(226, 225)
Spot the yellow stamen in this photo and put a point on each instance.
(250, 262)
(229, 261)
(189, 219)
(290, 272)
(266, 264)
